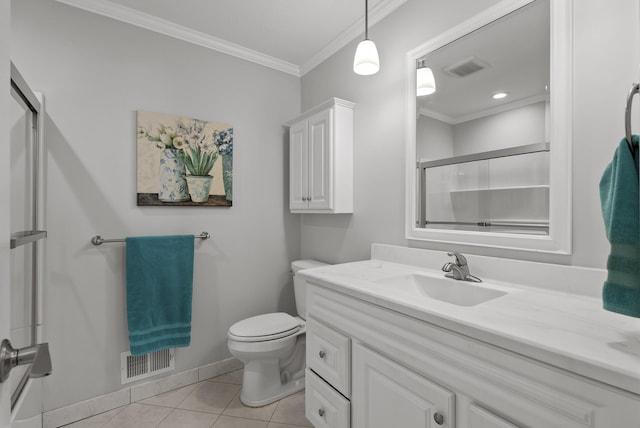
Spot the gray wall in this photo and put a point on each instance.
(434, 139)
(606, 56)
(517, 127)
(95, 73)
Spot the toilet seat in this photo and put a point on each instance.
(265, 327)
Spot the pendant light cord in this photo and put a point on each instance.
(366, 19)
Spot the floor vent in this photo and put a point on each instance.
(142, 366)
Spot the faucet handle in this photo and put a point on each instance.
(460, 259)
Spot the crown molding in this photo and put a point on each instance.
(482, 113)
(436, 115)
(502, 108)
(377, 14)
(171, 29)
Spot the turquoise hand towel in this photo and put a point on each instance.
(620, 208)
(159, 292)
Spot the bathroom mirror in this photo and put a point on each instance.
(488, 126)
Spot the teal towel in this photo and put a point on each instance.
(159, 290)
(620, 208)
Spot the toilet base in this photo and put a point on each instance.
(289, 388)
(267, 380)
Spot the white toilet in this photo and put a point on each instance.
(272, 348)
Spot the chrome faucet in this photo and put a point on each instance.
(460, 269)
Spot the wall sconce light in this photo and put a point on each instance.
(425, 82)
(366, 61)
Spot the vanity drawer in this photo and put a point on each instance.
(329, 355)
(324, 406)
(482, 418)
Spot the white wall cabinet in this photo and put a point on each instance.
(321, 159)
(412, 374)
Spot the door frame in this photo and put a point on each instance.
(5, 170)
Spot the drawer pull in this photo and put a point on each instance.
(321, 412)
(322, 354)
(438, 418)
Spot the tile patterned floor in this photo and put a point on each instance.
(214, 403)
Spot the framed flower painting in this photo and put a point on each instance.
(183, 162)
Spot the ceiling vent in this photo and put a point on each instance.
(467, 67)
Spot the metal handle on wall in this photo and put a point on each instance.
(37, 355)
(635, 88)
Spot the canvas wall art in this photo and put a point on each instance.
(183, 161)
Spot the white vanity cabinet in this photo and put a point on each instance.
(324, 406)
(408, 373)
(328, 376)
(321, 159)
(482, 418)
(386, 394)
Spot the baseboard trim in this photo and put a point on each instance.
(103, 403)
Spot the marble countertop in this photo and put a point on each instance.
(565, 330)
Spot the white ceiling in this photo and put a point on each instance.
(516, 48)
(290, 35)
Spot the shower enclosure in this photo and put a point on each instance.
(500, 191)
(21, 357)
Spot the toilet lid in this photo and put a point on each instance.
(265, 327)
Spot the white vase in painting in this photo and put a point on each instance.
(173, 186)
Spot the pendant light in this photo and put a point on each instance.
(425, 82)
(366, 60)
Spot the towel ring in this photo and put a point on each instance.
(635, 88)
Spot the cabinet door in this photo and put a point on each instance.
(298, 165)
(482, 418)
(386, 394)
(320, 160)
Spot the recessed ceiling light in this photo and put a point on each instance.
(500, 95)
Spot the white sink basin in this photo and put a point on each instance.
(448, 290)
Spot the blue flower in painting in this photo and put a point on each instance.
(223, 141)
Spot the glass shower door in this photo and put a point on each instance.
(25, 257)
(21, 220)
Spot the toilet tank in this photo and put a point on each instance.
(300, 285)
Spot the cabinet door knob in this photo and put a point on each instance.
(321, 412)
(322, 354)
(438, 418)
